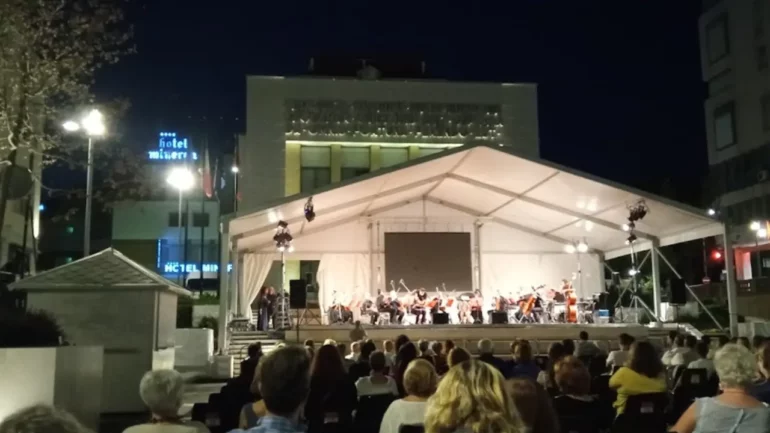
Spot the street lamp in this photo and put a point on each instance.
(93, 126)
(235, 171)
(182, 179)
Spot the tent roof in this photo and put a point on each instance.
(108, 269)
(556, 204)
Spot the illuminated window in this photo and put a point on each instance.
(356, 161)
(717, 39)
(393, 156)
(315, 170)
(724, 126)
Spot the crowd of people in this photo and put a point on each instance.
(435, 387)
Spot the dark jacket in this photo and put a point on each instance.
(494, 361)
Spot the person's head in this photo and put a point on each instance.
(161, 391)
(42, 419)
(679, 341)
(706, 339)
(449, 345)
(572, 376)
(472, 396)
(254, 350)
(388, 346)
(757, 341)
(690, 341)
(437, 347)
(522, 352)
(457, 356)
(357, 323)
(763, 359)
(424, 346)
(405, 355)
(534, 406)
(644, 360)
(722, 340)
(625, 341)
(367, 349)
(310, 343)
(486, 347)
(568, 345)
(735, 366)
(377, 362)
(341, 348)
(672, 337)
(744, 341)
(702, 349)
(583, 336)
(400, 341)
(330, 342)
(556, 351)
(420, 378)
(327, 364)
(284, 379)
(355, 347)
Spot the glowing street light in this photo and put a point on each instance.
(711, 212)
(235, 169)
(754, 226)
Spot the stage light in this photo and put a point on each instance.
(711, 212)
(569, 249)
(762, 233)
(631, 239)
(309, 212)
(582, 247)
(716, 255)
(235, 169)
(625, 227)
(754, 226)
(632, 272)
(283, 237)
(637, 211)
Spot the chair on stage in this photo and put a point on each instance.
(383, 319)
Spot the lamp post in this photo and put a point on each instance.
(235, 171)
(181, 179)
(93, 125)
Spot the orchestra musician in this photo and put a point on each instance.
(476, 302)
(398, 311)
(370, 307)
(419, 306)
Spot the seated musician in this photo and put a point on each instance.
(476, 302)
(397, 307)
(419, 307)
(385, 305)
(370, 308)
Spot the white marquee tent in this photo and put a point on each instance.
(520, 212)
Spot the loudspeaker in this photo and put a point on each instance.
(499, 317)
(297, 294)
(678, 291)
(441, 319)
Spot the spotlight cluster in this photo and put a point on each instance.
(283, 237)
(636, 212)
(579, 247)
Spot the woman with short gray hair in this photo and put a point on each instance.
(162, 391)
(735, 410)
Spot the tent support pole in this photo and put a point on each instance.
(689, 289)
(224, 291)
(477, 248)
(732, 292)
(372, 285)
(656, 289)
(235, 298)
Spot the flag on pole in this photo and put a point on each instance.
(208, 186)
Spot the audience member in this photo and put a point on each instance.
(576, 404)
(310, 347)
(162, 391)
(357, 333)
(761, 387)
(361, 368)
(332, 396)
(425, 352)
(642, 374)
(546, 377)
(249, 365)
(722, 340)
(42, 419)
(457, 356)
(472, 398)
(284, 384)
(523, 365)
(486, 354)
(252, 411)
(734, 410)
(756, 342)
(406, 354)
(706, 339)
(676, 347)
(585, 347)
(346, 362)
(687, 354)
(388, 348)
(671, 340)
(702, 350)
(439, 358)
(419, 383)
(568, 345)
(355, 351)
(534, 406)
(448, 346)
(744, 341)
(618, 358)
(376, 382)
(400, 341)
(329, 342)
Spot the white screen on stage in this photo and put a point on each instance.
(428, 259)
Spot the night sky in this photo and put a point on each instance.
(620, 90)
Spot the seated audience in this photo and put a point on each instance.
(568, 345)
(249, 365)
(376, 382)
(546, 377)
(721, 341)
(756, 342)
(760, 389)
(284, 384)
(688, 354)
(329, 342)
(347, 363)
(419, 383)
(406, 354)
(162, 391)
(734, 410)
(706, 339)
(585, 347)
(400, 341)
(486, 354)
(355, 351)
(457, 356)
(642, 374)
(361, 367)
(42, 419)
(702, 350)
(389, 349)
(333, 395)
(425, 352)
(472, 398)
(523, 365)
(617, 358)
(310, 347)
(534, 406)
(676, 347)
(576, 405)
(251, 412)
(449, 345)
(439, 357)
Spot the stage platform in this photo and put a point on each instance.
(467, 336)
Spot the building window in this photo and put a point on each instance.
(766, 112)
(724, 126)
(717, 39)
(356, 161)
(200, 219)
(393, 156)
(316, 167)
(761, 57)
(173, 219)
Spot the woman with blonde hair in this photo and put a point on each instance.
(419, 383)
(472, 398)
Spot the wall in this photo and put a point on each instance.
(150, 220)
